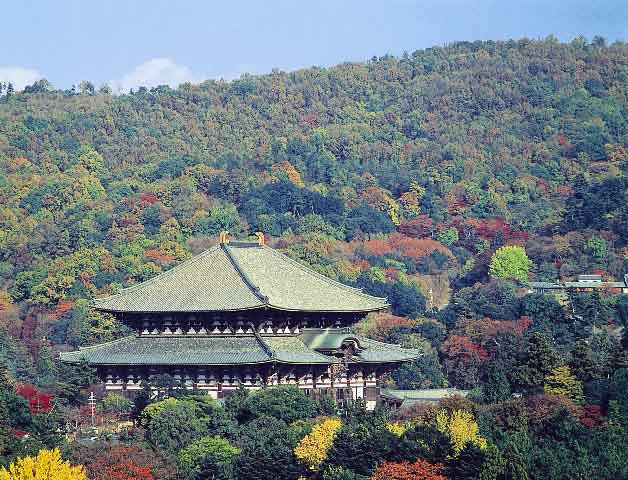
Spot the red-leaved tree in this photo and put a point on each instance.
(120, 462)
(419, 470)
(38, 402)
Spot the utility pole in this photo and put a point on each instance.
(92, 403)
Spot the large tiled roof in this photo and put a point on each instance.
(173, 350)
(226, 350)
(240, 276)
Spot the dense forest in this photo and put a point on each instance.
(445, 179)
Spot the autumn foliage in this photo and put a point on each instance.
(121, 462)
(38, 402)
(461, 428)
(47, 465)
(312, 449)
(419, 470)
(464, 349)
(417, 247)
(379, 325)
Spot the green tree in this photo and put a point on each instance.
(116, 403)
(73, 380)
(209, 458)
(449, 236)
(267, 451)
(582, 363)
(618, 396)
(538, 360)
(510, 262)
(287, 403)
(92, 160)
(424, 372)
(178, 422)
(467, 465)
(361, 444)
(46, 368)
(494, 464)
(496, 386)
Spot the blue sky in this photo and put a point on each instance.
(140, 42)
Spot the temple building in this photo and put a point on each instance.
(586, 283)
(241, 313)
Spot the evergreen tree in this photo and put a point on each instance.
(6, 380)
(496, 387)
(46, 369)
(539, 359)
(468, 465)
(582, 362)
(494, 464)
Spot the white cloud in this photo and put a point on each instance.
(155, 72)
(19, 77)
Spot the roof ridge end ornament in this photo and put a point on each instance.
(261, 239)
(223, 237)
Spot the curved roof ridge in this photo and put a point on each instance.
(269, 351)
(307, 269)
(110, 342)
(247, 280)
(169, 272)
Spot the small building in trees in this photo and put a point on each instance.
(244, 314)
(585, 283)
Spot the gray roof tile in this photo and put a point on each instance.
(173, 350)
(225, 350)
(240, 276)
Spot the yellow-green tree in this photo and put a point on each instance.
(461, 428)
(397, 428)
(510, 262)
(312, 449)
(561, 381)
(47, 465)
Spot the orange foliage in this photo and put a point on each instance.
(292, 173)
(417, 247)
(361, 265)
(158, 255)
(121, 463)
(377, 248)
(381, 324)
(419, 470)
(376, 198)
(63, 307)
(488, 228)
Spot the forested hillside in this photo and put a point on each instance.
(403, 176)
